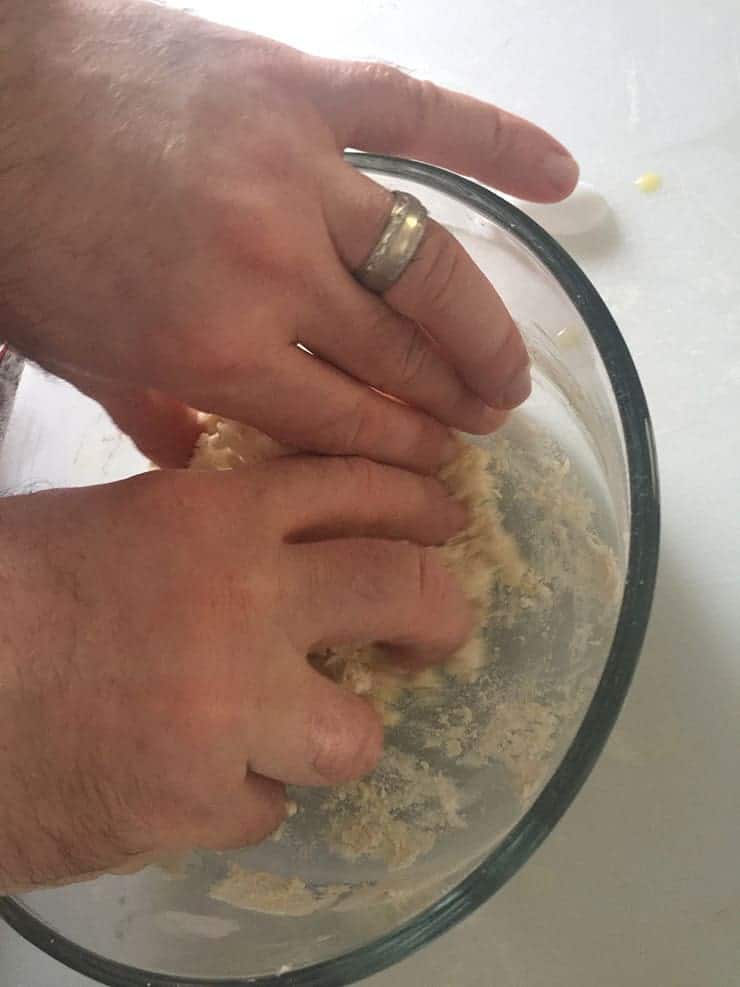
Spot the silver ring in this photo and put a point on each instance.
(397, 245)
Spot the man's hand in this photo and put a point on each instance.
(154, 688)
(175, 216)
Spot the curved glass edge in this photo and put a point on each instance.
(602, 713)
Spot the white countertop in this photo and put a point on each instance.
(640, 883)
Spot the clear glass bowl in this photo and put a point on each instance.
(494, 763)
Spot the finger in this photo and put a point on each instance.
(441, 289)
(250, 812)
(348, 496)
(382, 109)
(369, 340)
(309, 731)
(306, 403)
(364, 590)
(163, 429)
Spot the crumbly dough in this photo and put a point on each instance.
(476, 555)
(396, 814)
(271, 894)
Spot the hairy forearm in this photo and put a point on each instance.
(32, 102)
(51, 814)
(33, 36)
(32, 616)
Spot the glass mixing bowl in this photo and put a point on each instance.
(479, 770)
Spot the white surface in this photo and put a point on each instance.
(584, 210)
(640, 883)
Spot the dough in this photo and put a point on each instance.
(476, 556)
(271, 894)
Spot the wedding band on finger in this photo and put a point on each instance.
(397, 245)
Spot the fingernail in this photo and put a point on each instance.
(562, 170)
(517, 390)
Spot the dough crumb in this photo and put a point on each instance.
(649, 182)
(272, 894)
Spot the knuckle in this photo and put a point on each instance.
(437, 270)
(279, 478)
(364, 476)
(351, 431)
(427, 99)
(383, 77)
(415, 358)
(375, 561)
(440, 598)
(344, 747)
(381, 429)
(499, 136)
(425, 575)
(412, 102)
(398, 348)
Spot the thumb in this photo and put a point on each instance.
(309, 731)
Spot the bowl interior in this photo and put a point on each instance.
(465, 765)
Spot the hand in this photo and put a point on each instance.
(154, 688)
(176, 216)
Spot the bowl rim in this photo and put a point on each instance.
(585, 748)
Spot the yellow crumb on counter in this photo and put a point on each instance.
(649, 182)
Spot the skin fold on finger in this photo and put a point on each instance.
(360, 590)
(378, 108)
(349, 496)
(309, 731)
(441, 289)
